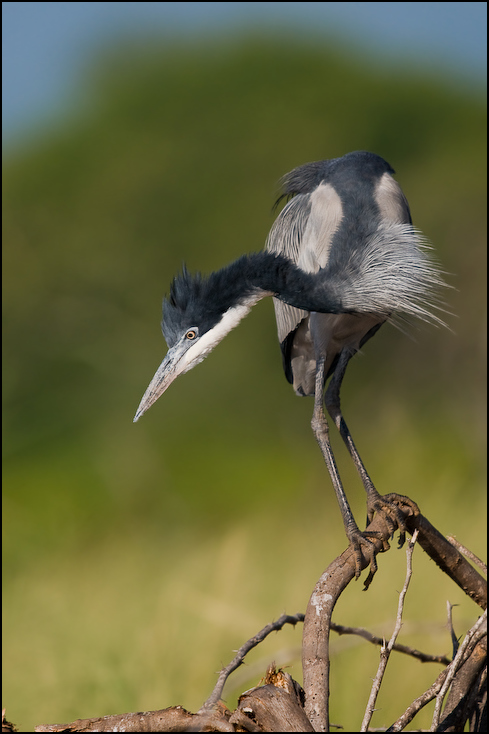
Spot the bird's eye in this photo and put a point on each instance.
(191, 334)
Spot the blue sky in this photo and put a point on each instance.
(46, 45)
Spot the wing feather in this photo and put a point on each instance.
(303, 232)
(286, 238)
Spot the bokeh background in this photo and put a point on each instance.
(141, 135)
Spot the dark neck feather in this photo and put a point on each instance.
(273, 274)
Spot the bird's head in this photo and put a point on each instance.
(197, 315)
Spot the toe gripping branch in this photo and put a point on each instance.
(385, 515)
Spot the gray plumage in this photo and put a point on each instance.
(341, 259)
(350, 216)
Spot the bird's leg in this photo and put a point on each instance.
(332, 399)
(375, 501)
(321, 431)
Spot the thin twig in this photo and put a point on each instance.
(375, 640)
(471, 639)
(435, 689)
(419, 703)
(299, 617)
(468, 553)
(386, 651)
(453, 636)
(242, 652)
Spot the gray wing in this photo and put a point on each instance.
(303, 232)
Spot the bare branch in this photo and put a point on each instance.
(471, 638)
(477, 703)
(449, 559)
(278, 705)
(175, 718)
(315, 639)
(468, 553)
(386, 651)
(276, 702)
(242, 652)
(466, 700)
(317, 622)
(375, 640)
(419, 703)
(453, 636)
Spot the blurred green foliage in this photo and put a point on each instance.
(183, 535)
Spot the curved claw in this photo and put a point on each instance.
(394, 509)
(390, 506)
(359, 540)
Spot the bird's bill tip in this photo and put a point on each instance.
(164, 376)
(138, 415)
(149, 397)
(156, 387)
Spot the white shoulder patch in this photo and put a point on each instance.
(391, 200)
(324, 219)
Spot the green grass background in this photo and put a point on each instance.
(138, 557)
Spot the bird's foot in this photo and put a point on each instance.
(391, 512)
(365, 550)
(395, 509)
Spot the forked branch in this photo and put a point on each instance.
(317, 623)
(280, 700)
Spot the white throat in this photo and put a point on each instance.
(209, 340)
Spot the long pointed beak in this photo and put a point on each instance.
(167, 372)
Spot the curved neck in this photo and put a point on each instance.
(262, 274)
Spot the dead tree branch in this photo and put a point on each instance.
(467, 698)
(449, 559)
(280, 704)
(423, 657)
(242, 652)
(468, 554)
(473, 636)
(317, 623)
(472, 649)
(175, 718)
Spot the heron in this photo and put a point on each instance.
(341, 259)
